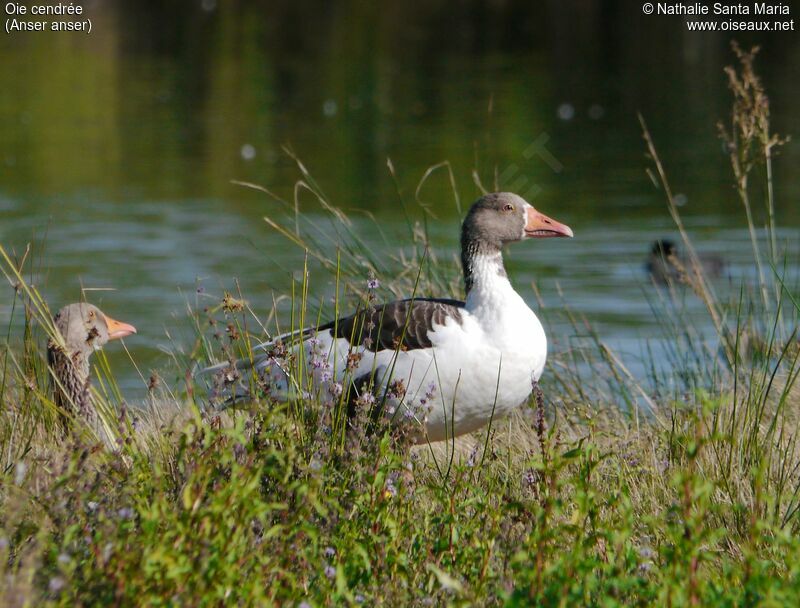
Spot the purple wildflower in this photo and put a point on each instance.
(330, 571)
(56, 584)
(472, 456)
(530, 477)
(373, 283)
(366, 399)
(391, 488)
(125, 513)
(431, 392)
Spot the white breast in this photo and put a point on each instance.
(487, 365)
(479, 367)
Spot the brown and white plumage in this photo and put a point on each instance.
(84, 328)
(402, 323)
(459, 363)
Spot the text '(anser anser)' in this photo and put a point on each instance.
(450, 365)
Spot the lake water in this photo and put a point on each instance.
(117, 149)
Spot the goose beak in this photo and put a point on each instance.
(118, 329)
(539, 226)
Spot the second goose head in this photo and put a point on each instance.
(84, 329)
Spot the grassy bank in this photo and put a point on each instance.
(678, 489)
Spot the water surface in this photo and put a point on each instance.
(118, 149)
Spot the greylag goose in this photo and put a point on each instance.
(84, 329)
(451, 365)
(666, 265)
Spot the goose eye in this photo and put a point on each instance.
(508, 207)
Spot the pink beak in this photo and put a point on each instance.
(539, 226)
(118, 329)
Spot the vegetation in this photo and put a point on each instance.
(679, 489)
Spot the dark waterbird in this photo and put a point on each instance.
(666, 265)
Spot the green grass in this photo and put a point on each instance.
(610, 492)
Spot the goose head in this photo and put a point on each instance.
(85, 328)
(496, 219)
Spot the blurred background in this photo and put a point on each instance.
(117, 148)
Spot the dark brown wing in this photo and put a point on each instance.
(401, 324)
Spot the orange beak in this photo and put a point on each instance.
(539, 226)
(118, 329)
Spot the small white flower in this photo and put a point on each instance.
(366, 399)
(20, 471)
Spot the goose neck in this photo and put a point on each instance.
(484, 273)
(70, 380)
